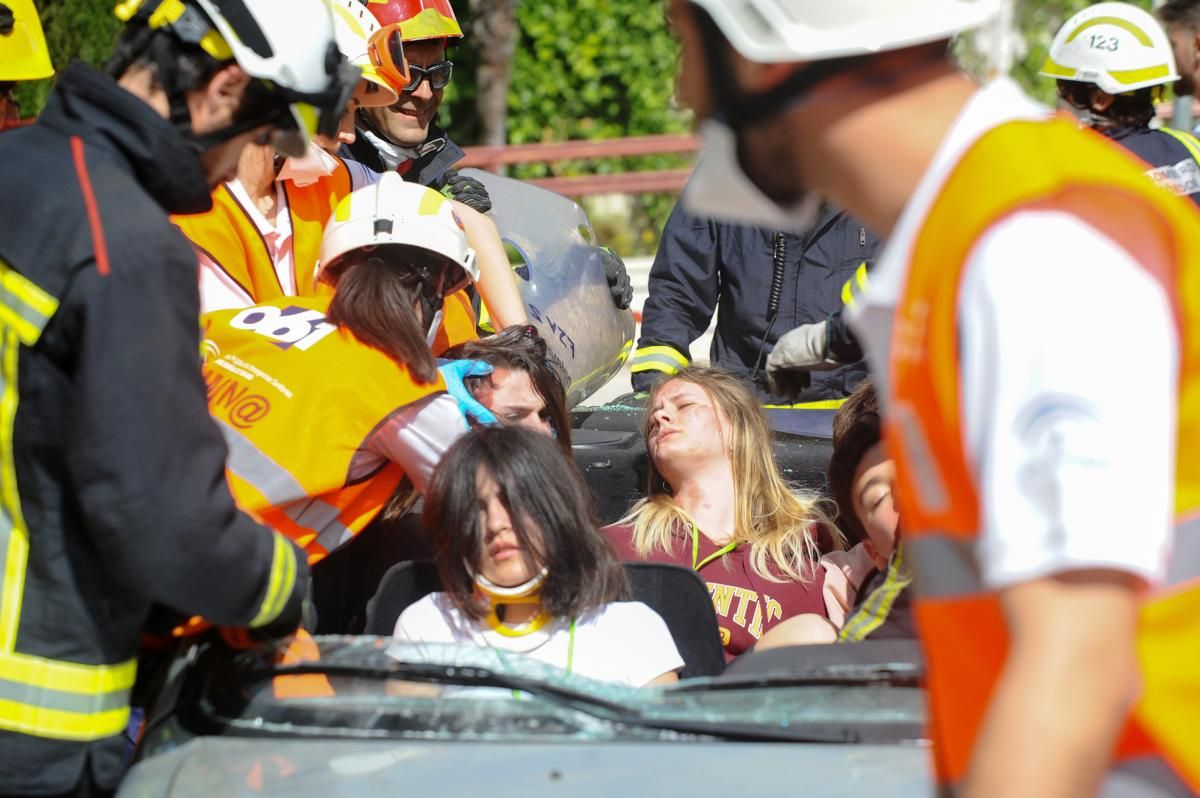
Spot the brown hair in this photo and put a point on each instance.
(376, 290)
(1180, 12)
(544, 494)
(782, 526)
(856, 428)
(521, 348)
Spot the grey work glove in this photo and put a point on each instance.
(797, 353)
(467, 190)
(618, 278)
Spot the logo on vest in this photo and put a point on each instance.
(286, 327)
(233, 399)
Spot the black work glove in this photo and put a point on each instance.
(467, 190)
(618, 278)
(788, 383)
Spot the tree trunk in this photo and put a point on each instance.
(494, 36)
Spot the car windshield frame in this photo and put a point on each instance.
(383, 690)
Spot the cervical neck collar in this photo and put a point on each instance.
(527, 592)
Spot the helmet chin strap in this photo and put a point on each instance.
(528, 592)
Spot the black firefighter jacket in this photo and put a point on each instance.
(704, 266)
(114, 495)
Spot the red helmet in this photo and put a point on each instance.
(417, 20)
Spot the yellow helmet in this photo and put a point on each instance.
(23, 51)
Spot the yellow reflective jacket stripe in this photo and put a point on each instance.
(855, 286)
(658, 358)
(40, 696)
(1186, 139)
(283, 580)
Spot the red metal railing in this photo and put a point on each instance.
(663, 180)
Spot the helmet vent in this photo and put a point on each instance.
(383, 227)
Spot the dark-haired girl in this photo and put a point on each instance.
(524, 570)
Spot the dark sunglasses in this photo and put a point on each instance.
(438, 76)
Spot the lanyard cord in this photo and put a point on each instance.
(697, 563)
(570, 655)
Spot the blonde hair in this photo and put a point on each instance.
(776, 521)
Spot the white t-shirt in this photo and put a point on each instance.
(1069, 375)
(624, 642)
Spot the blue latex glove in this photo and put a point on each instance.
(453, 372)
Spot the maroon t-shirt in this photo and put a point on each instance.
(746, 604)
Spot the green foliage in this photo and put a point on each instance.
(585, 69)
(83, 29)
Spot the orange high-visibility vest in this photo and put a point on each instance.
(228, 236)
(1047, 165)
(458, 323)
(296, 399)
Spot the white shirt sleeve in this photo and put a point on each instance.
(427, 620)
(416, 436)
(639, 643)
(1069, 370)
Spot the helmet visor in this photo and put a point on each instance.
(386, 51)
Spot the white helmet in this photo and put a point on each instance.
(406, 214)
(289, 46)
(1116, 46)
(782, 31)
(353, 25)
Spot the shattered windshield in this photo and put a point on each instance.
(374, 687)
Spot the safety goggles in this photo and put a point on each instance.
(386, 51)
(438, 76)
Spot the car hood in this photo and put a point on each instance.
(273, 767)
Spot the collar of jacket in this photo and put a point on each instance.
(429, 161)
(90, 104)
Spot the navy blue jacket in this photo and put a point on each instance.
(119, 469)
(1175, 163)
(704, 266)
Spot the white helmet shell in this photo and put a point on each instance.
(288, 44)
(784, 31)
(353, 25)
(394, 212)
(1116, 46)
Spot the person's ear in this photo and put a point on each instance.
(754, 77)
(214, 106)
(872, 552)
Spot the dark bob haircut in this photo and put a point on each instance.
(544, 494)
(856, 428)
(521, 348)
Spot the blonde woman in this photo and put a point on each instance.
(717, 504)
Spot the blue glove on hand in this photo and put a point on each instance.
(453, 372)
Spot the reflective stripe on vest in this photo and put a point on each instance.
(318, 520)
(658, 358)
(319, 395)
(40, 696)
(961, 622)
(229, 237)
